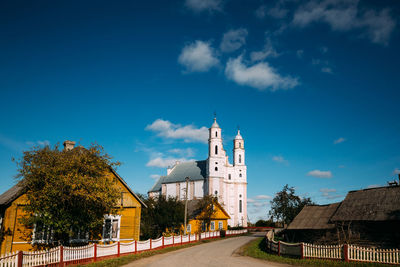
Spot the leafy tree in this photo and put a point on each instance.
(206, 205)
(161, 214)
(69, 191)
(286, 204)
(265, 223)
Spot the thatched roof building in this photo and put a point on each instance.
(314, 217)
(374, 204)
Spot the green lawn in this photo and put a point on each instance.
(256, 249)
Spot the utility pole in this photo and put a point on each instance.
(186, 200)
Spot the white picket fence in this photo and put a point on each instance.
(334, 252)
(72, 255)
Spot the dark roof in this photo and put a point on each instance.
(194, 210)
(11, 194)
(374, 204)
(196, 170)
(314, 217)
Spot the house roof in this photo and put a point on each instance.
(314, 217)
(196, 170)
(374, 204)
(11, 194)
(194, 210)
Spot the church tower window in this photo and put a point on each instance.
(240, 158)
(229, 176)
(216, 150)
(240, 206)
(240, 175)
(240, 145)
(216, 134)
(216, 168)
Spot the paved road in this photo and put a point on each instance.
(216, 253)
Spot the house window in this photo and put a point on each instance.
(220, 226)
(229, 176)
(216, 168)
(203, 227)
(111, 227)
(189, 228)
(42, 234)
(240, 158)
(212, 226)
(216, 150)
(240, 206)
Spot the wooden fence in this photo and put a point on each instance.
(63, 256)
(334, 252)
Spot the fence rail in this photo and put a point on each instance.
(63, 256)
(333, 252)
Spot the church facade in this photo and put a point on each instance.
(213, 176)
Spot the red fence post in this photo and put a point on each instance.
(150, 243)
(279, 248)
(346, 252)
(135, 246)
(173, 240)
(119, 249)
(95, 252)
(61, 256)
(302, 250)
(20, 258)
(162, 241)
(181, 240)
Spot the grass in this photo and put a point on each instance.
(114, 262)
(256, 249)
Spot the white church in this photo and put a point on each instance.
(213, 176)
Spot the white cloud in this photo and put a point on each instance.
(233, 40)
(280, 159)
(188, 133)
(329, 193)
(396, 171)
(300, 53)
(250, 200)
(263, 197)
(38, 143)
(267, 51)
(188, 152)
(339, 140)
(320, 174)
(323, 49)
(198, 57)
(345, 15)
(259, 75)
(278, 11)
(155, 176)
(164, 162)
(204, 5)
(326, 70)
(261, 12)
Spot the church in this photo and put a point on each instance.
(213, 176)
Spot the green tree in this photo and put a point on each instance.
(286, 204)
(68, 191)
(206, 205)
(161, 213)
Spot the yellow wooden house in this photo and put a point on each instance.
(219, 219)
(14, 236)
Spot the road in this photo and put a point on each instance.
(216, 253)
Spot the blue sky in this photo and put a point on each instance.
(314, 86)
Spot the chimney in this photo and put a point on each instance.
(68, 145)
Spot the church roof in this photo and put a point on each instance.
(215, 124)
(195, 170)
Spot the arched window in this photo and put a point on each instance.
(229, 176)
(216, 134)
(216, 168)
(240, 158)
(240, 175)
(240, 206)
(216, 150)
(240, 144)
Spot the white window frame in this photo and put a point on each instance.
(220, 225)
(50, 235)
(112, 218)
(212, 226)
(189, 228)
